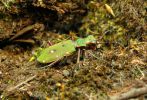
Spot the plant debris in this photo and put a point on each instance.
(114, 66)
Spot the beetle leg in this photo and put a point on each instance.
(50, 43)
(78, 58)
(51, 64)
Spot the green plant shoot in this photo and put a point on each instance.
(62, 49)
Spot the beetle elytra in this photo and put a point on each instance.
(61, 49)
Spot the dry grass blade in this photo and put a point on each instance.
(21, 32)
(131, 94)
(22, 83)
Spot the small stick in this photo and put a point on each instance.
(130, 94)
(20, 84)
(97, 57)
(25, 41)
(141, 73)
(21, 32)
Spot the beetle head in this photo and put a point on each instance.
(90, 40)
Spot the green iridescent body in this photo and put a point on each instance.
(56, 51)
(59, 50)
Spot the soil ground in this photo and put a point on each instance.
(117, 64)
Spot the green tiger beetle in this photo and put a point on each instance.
(61, 49)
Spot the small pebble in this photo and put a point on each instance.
(58, 84)
(65, 72)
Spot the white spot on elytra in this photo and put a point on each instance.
(57, 56)
(52, 51)
(43, 61)
(67, 53)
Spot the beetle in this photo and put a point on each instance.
(61, 49)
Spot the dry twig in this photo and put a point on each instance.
(22, 83)
(21, 32)
(131, 94)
